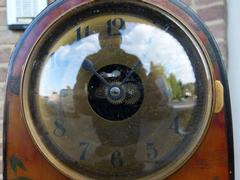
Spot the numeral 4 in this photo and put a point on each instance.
(175, 125)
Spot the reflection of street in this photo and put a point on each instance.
(184, 104)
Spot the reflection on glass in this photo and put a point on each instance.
(138, 119)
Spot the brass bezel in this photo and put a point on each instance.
(207, 117)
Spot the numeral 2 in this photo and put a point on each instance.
(113, 26)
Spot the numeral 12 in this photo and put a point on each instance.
(113, 26)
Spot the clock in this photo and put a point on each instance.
(117, 90)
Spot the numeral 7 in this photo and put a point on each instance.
(84, 147)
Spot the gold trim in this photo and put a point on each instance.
(207, 116)
(219, 103)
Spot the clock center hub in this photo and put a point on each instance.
(115, 92)
(119, 98)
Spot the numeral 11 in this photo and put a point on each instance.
(87, 32)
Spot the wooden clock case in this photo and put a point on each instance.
(213, 160)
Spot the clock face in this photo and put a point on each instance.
(117, 91)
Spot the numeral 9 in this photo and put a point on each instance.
(60, 130)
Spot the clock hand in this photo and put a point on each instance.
(134, 68)
(89, 66)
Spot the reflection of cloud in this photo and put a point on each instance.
(152, 44)
(62, 67)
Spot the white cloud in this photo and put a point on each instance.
(151, 44)
(62, 67)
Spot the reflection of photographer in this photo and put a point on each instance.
(95, 76)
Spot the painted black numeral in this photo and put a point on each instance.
(175, 125)
(116, 159)
(152, 152)
(86, 33)
(114, 26)
(84, 147)
(60, 130)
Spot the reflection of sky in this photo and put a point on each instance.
(148, 43)
(62, 67)
(151, 44)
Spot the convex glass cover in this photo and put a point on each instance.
(117, 91)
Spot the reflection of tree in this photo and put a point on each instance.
(177, 87)
(158, 70)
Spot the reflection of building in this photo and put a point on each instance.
(54, 97)
(65, 92)
(62, 101)
(189, 90)
(66, 100)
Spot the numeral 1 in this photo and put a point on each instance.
(87, 32)
(176, 127)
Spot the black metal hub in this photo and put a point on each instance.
(115, 92)
(115, 101)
